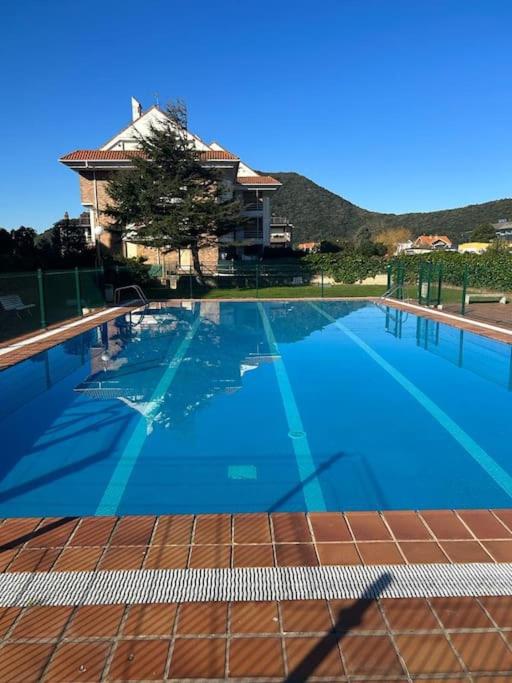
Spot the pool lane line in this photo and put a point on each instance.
(307, 469)
(481, 457)
(115, 489)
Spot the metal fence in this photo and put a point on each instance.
(251, 280)
(433, 285)
(30, 301)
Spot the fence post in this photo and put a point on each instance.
(400, 281)
(464, 290)
(40, 287)
(78, 293)
(439, 284)
(322, 280)
(257, 280)
(420, 285)
(389, 269)
(429, 282)
(191, 288)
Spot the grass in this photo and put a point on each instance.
(285, 292)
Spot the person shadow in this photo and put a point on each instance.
(346, 620)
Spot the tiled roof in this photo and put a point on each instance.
(428, 240)
(257, 180)
(101, 155)
(217, 154)
(123, 155)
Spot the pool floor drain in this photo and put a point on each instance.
(296, 435)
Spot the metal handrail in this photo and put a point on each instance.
(390, 291)
(140, 294)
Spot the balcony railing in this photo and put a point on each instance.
(253, 206)
(281, 237)
(249, 234)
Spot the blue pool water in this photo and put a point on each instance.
(230, 407)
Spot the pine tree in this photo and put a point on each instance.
(168, 200)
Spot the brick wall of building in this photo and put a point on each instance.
(111, 239)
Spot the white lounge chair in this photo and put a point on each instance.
(12, 303)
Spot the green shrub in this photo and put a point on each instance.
(490, 270)
(346, 268)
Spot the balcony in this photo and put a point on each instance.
(249, 233)
(252, 207)
(280, 237)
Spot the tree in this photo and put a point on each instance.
(328, 247)
(483, 233)
(365, 245)
(6, 243)
(23, 245)
(392, 237)
(168, 200)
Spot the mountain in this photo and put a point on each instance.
(319, 214)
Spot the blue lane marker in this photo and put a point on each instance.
(115, 489)
(311, 488)
(486, 462)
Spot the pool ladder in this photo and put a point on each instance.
(140, 294)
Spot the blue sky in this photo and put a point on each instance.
(397, 105)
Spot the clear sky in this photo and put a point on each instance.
(397, 105)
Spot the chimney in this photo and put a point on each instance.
(136, 109)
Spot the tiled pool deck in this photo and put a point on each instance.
(408, 639)
(450, 639)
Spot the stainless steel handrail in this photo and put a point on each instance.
(140, 294)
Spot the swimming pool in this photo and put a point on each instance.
(258, 406)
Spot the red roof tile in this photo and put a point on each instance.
(101, 155)
(257, 180)
(217, 154)
(124, 155)
(428, 240)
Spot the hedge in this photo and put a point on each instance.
(346, 268)
(490, 270)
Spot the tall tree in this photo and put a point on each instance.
(391, 238)
(6, 243)
(365, 245)
(23, 244)
(483, 233)
(168, 199)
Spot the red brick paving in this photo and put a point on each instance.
(268, 640)
(282, 539)
(20, 353)
(441, 639)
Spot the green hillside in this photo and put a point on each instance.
(318, 214)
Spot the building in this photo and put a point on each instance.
(404, 247)
(473, 247)
(503, 229)
(281, 232)
(254, 191)
(432, 242)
